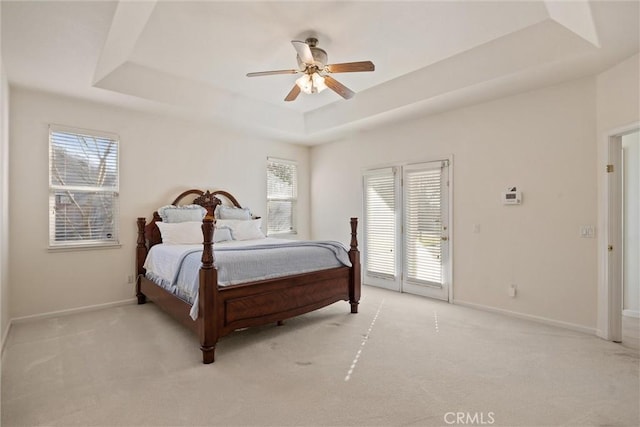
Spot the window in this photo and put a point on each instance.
(83, 188)
(282, 194)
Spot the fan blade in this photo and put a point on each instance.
(271, 73)
(338, 87)
(304, 52)
(295, 91)
(350, 67)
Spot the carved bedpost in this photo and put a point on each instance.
(208, 295)
(210, 202)
(354, 277)
(141, 255)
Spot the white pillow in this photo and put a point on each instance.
(243, 229)
(231, 212)
(181, 233)
(185, 213)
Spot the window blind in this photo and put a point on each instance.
(282, 194)
(83, 187)
(380, 223)
(423, 225)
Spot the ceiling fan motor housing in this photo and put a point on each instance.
(319, 55)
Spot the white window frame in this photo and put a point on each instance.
(114, 240)
(293, 199)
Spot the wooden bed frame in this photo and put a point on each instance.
(225, 309)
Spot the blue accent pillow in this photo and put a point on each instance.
(222, 234)
(172, 213)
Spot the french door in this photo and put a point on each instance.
(406, 222)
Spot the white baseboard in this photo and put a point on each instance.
(72, 311)
(51, 314)
(601, 334)
(539, 319)
(631, 313)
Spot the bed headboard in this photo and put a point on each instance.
(207, 199)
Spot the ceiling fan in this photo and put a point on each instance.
(312, 61)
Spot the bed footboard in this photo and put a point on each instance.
(224, 310)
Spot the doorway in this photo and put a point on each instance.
(622, 270)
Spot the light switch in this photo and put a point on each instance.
(476, 228)
(587, 231)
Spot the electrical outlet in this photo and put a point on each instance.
(512, 290)
(130, 279)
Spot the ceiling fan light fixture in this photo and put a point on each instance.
(316, 73)
(311, 83)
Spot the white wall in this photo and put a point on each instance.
(618, 92)
(631, 282)
(544, 143)
(618, 106)
(4, 205)
(160, 157)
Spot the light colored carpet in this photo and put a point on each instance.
(402, 361)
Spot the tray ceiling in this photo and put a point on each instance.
(191, 58)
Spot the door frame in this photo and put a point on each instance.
(609, 319)
(448, 268)
(416, 289)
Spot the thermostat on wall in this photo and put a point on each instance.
(511, 197)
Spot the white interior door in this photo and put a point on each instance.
(426, 230)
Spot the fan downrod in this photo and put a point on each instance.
(311, 41)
